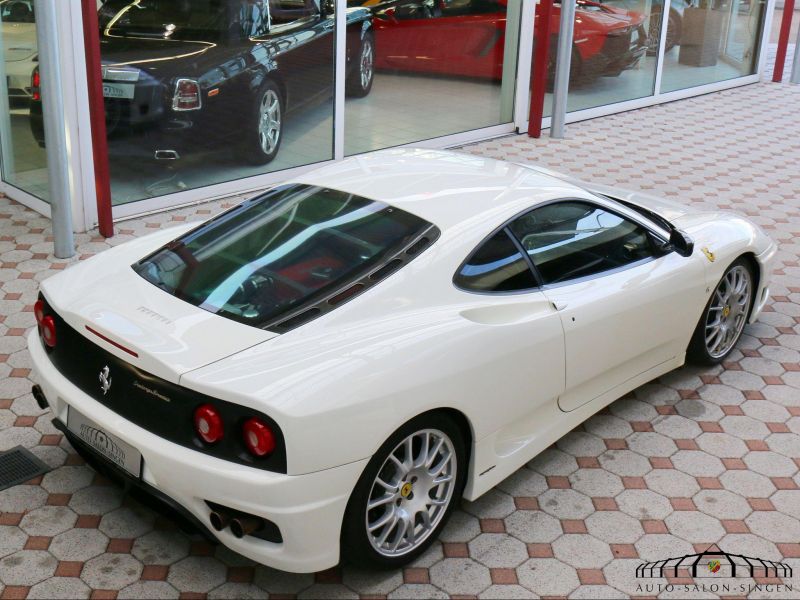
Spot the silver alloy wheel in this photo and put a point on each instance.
(367, 64)
(411, 492)
(728, 311)
(269, 121)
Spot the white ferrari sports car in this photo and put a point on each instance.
(330, 366)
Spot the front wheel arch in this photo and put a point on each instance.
(696, 352)
(756, 266)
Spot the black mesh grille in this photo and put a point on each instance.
(17, 466)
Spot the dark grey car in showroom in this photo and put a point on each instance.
(193, 75)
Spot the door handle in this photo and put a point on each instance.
(559, 304)
(508, 314)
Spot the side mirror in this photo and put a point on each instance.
(681, 243)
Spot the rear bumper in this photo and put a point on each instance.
(307, 509)
(19, 74)
(619, 52)
(100, 464)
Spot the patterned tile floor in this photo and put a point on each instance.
(700, 456)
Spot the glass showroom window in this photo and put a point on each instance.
(199, 92)
(614, 52)
(712, 40)
(441, 67)
(24, 163)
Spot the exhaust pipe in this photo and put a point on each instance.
(39, 396)
(219, 519)
(167, 155)
(243, 525)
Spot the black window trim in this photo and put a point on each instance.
(606, 203)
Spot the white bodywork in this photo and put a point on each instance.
(522, 368)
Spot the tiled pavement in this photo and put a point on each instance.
(700, 456)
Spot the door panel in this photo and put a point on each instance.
(625, 305)
(515, 334)
(621, 324)
(521, 340)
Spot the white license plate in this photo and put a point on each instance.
(109, 446)
(118, 90)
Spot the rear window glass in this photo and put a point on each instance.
(280, 252)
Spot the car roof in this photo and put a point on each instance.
(443, 187)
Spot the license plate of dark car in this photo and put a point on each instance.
(109, 446)
(118, 90)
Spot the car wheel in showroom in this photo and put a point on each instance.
(359, 82)
(262, 135)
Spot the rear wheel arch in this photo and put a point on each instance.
(458, 418)
(262, 76)
(354, 537)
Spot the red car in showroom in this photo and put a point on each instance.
(466, 37)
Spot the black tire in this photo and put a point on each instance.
(358, 83)
(674, 30)
(356, 546)
(698, 352)
(252, 149)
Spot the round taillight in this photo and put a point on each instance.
(38, 311)
(208, 424)
(48, 326)
(258, 437)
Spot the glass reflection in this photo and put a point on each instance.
(443, 67)
(714, 40)
(24, 162)
(199, 92)
(613, 52)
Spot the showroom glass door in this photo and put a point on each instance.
(22, 154)
(714, 40)
(441, 67)
(201, 92)
(614, 52)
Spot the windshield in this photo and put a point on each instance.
(280, 252)
(205, 20)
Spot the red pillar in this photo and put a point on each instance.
(541, 42)
(97, 116)
(783, 40)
